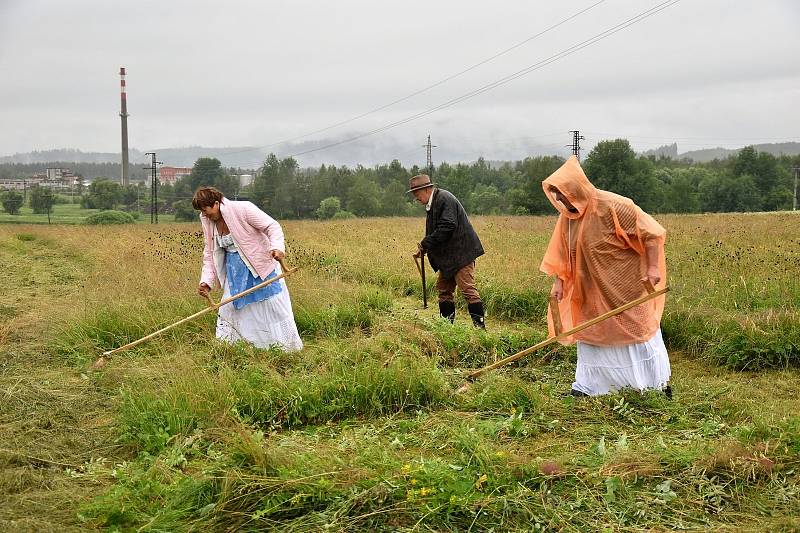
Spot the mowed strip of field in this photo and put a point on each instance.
(66, 214)
(362, 430)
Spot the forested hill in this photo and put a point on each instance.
(367, 152)
(709, 154)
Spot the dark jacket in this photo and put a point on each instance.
(450, 242)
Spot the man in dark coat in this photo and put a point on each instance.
(452, 247)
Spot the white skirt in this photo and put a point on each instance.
(262, 324)
(604, 369)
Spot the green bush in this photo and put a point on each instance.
(329, 207)
(12, 201)
(343, 215)
(184, 212)
(110, 217)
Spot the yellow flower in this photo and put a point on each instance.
(413, 481)
(500, 454)
(406, 467)
(424, 491)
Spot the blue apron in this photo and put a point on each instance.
(240, 279)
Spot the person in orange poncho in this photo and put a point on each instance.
(602, 248)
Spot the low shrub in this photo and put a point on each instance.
(343, 215)
(110, 217)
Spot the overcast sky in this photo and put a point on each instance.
(703, 73)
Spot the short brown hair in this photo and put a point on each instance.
(206, 197)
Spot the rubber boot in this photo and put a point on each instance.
(448, 310)
(476, 312)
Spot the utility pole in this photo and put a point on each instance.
(123, 113)
(153, 187)
(794, 197)
(429, 159)
(576, 143)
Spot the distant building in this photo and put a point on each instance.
(16, 184)
(172, 174)
(245, 180)
(58, 179)
(63, 175)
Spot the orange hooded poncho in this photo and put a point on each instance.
(600, 254)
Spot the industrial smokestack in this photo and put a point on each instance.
(123, 113)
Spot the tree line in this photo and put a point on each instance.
(88, 171)
(748, 181)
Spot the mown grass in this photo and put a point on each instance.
(361, 430)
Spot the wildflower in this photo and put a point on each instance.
(406, 468)
(424, 491)
(413, 481)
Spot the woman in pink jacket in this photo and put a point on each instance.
(242, 246)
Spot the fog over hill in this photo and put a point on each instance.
(368, 153)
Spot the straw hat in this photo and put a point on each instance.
(420, 181)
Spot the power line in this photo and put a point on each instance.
(424, 89)
(502, 81)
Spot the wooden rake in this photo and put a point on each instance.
(103, 360)
(560, 335)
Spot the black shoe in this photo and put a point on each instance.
(578, 394)
(667, 392)
(448, 310)
(476, 312)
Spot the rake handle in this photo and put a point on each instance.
(576, 329)
(421, 269)
(211, 307)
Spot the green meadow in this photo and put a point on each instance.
(362, 430)
(65, 214)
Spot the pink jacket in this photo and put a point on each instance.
(256, 235)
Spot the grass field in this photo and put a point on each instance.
(65, 214)
(361, 430)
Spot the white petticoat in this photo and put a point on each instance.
(604, 369)
(263, 324)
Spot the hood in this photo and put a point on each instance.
(574, 185)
